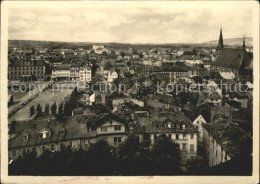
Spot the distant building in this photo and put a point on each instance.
(79, 72)
(231, 59)
(27, 70)
(61, 72)
(198, 123)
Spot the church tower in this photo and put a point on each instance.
(244, 43)
(220, 41)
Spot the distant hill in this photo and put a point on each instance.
(27, 44)
(232, 42)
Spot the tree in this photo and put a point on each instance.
(53, 108)
(47, 109)
(100, 160)
(122, 54)
(32, 111)
(133, 158)
(166, 156)
(38, 110)
(60, 109)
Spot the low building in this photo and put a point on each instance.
(79, 72)
(224, 140)
(198, 123)
(27, 70)
(61, 72)
(41, 135)
(176, 126)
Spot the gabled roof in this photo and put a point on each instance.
(231, 58)
(107, 118)
(151, 124)
(63, 67)
(75, 129)
(230, 137)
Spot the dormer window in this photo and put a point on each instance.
(44, 135)
(183, 127)
(62, 132)
(25, 137)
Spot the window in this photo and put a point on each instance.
(70, 144)
(14, 153)
(178, 126)
(117, 128)
(191, 136)
(43, 148)
(52, 147)
(177, 136)
(117, 139)
(24, 152)
(170, 136)
(184, 136)
(61, 145)
(183, 127)
(103, 129)
(44, 135)
(184, 146)
(34, 149)
(191, 148)
(25, 137)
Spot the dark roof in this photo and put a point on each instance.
(74, 127)
(151, 124)
(32, 63)
(230, 137)
(107, 118)
(231, 58)
(78, 110)
(63, 67)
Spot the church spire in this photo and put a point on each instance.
(244, 43)
(220, 41)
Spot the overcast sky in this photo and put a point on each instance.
(168, 23)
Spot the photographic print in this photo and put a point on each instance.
(144, 89)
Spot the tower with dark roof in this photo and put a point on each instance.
(244, 43)
(220, 41)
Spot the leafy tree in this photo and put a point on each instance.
(47, 108)
(32, 111)
(53, 108)
(133, 158)
(60, 109)
(166, 156)
(38, 110)
(100, 158)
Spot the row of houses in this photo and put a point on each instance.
(72, 72)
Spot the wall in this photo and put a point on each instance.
(216, 155)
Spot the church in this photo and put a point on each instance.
(235, 60)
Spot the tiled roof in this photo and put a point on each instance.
(63, 67)
(152, 124)
(106, 118)
(230, 137)
(75, 129)
(231, 58)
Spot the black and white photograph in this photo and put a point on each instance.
(92, 90)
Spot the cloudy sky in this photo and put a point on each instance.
(174, 22)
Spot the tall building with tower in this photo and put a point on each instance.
(235, 60)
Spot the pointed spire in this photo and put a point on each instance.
(244, 43)
(220, 41)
